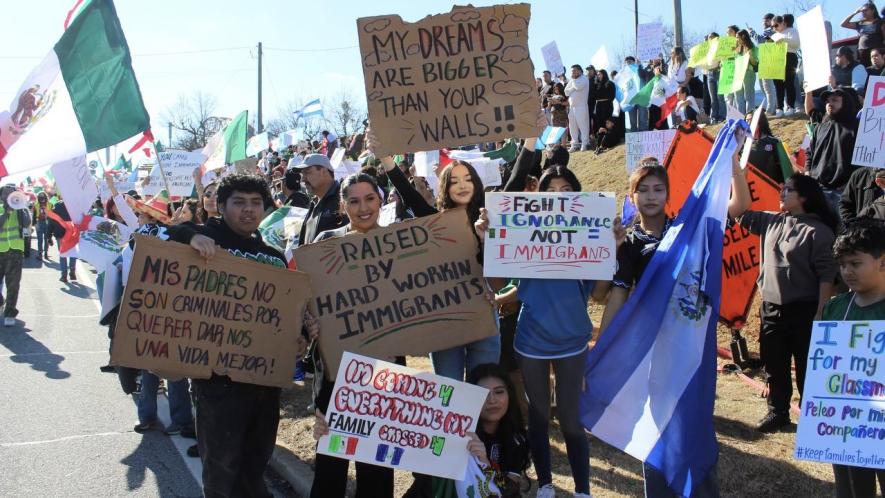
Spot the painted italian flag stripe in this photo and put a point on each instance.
(82, 97)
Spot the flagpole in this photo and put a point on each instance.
(163, 174)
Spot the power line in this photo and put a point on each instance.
(200, 51)
(308, 50)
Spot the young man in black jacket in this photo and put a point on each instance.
(236, 422)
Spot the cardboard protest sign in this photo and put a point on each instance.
(647, 143)
(77, 186)
(869, 146)
(726, 47)
(815, 49)
(649, 37)
(741, 252)
(183, 317)
(843, 403)
(179, 166)
(451, 79)
(550, 235)
(552, 59)
(411, 288)
(248, 165)
(394, 416)
(772, 61)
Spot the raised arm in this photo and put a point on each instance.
(740, 191)
(847, 23)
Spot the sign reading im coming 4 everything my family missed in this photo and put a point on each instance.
(394, 416)
(451, 79)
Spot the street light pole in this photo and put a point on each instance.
(677, 22)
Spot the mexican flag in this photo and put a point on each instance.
(81, 98)
(643, 96)
(228, 145)
(280, 229)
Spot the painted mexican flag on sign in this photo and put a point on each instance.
(82, 97)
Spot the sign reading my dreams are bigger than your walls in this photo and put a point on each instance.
(450, 79)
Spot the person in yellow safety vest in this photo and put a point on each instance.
(12, 246)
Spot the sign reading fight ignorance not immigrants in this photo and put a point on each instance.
(408, 289)
(451, 79)
(181, 316)
(546, 235)
(394, 416)
(843, 405)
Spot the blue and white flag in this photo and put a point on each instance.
(651, 388)
(550, 136)
(627, 85)
(312, 108)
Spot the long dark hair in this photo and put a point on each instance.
(815, 202)
(511, 430)
(558, 172)
(444, 200)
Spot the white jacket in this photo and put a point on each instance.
(578, 91)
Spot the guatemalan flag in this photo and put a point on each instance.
(650, 392)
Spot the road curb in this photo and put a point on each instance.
(298, 474)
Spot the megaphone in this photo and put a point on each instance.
(17, 200)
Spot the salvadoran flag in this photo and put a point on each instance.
(550, 136)
(651, 379)
(312, 108)
(81, 98)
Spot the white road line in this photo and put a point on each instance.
(66, 438)
(60, 353)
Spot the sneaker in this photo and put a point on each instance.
(8, 321)
(173, 430)
(773, 422)
(573, 148)
(143, 427)
(108, 369)
(585, 148)
(73, 275)
(546, 491)
(778, 113)
(193, 451)
(789, 111)
(189, 433)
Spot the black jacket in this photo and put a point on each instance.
(831, 150)
(61, 210)
(252, 248)
(860, 193)
(322, 215)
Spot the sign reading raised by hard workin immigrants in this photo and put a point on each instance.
(550, 235)
(741, 254)
(408, 289)
(869, 148)
(183, 317)
(394, 416)
(647, 143)
(843, 403)
(447, 80)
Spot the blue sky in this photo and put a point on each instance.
(186, 45)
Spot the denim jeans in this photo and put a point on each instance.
(64, 263)
(656, 485)
(745, 99)
(451, 362)
(179, 400)
(717, 102)
(42, 242)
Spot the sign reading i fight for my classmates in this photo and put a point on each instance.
(843, 405)
(394, 416)
(452, 79)
(550, 235)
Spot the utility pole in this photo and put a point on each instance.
(677, 22)
(636, 25)
(260, 125)
(169, 143)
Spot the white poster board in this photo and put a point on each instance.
(869, 146)
(394, 416)
(387, 216)
(843, 404)
(815, 52)
(647, 143)
(649, 38)
(552, 59)
(179, 166)
(550, 235)
(600, 59)
(77, 186)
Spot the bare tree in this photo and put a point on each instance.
(798, 7)
(346, 115)
(193, 117)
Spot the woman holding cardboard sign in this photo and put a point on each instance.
(460, 187)
(362, 203)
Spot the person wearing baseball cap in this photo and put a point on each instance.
(323, 213)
